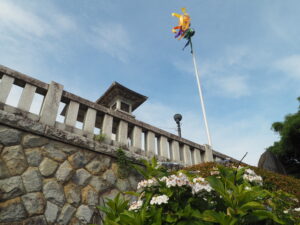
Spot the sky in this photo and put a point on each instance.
(248, 55)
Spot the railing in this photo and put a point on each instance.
(117, 128)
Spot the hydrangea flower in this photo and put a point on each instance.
(158, 200)
(147, 183)
(173, 180)
(200, 184)
(251, 176)
(135, 205)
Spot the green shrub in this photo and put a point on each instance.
(227, 196)
(272, 181)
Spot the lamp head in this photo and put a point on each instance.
(177, 118)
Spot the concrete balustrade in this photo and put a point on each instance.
(163, 146)
(5, 87)
(175, 150)
(169, 145)
(122, 132)
(208, 156)
(107, 126)
(51, 103)
(89, 121)
(187, 155)
(72, 113)
(137, 137)
(26, 98)
(150, 143)
(197, 156)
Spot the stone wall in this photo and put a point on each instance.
(43, 181)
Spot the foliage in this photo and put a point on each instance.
(231, 196)
(288, 147)
(124, 163)
(99, 137)
(272, 181)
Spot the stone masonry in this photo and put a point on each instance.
(45, 182)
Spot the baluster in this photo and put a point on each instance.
(107, 126)
(197, 156)
(137, 137)
(5, 87)
(51, 103)
(150, 143)
(208, 156)
(26, 97)
(71, 114)
(175, 150)
(187, 155)
(89, 120)
(122, 132)
(163, 146)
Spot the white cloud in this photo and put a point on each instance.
(290, 66)
(226, 75)
(113, 39)
(232, 86)
(27, 23)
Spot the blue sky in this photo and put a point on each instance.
(248, 55)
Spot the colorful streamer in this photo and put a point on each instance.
(183, 30)
(184, 22)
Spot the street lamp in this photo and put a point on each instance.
(178, 118)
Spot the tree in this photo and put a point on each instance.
(287, 148)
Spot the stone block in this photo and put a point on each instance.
(55, 153)
(80, 159)
(110, 177)
(32, 180)
(89, 196)
(81, 177)
(66, 214)
(4, 172)
(34, 203)
(64, 172)
(48, 167)
(123, 185)
(9, 137)
(51, 212)
(12, 210)
(11, 187)
(73, 194)
(98, 165)
(111, 194)
(14, 159)
(53, 192)
(34, 156)
(84, 214)
(133, 182)
(36, 220)
(99, 184)
(32, 141)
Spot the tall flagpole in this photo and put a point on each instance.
(200, 94)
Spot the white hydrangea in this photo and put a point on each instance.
(197, 187)
(135, 205)
(297, 209)
(251, 176)
(247, 188)
(250, 172)
(158, 200)
(147, 183)
(200, 184)
(173, 180)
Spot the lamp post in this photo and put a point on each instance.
(178, 118)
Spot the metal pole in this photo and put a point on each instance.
(179, 129)
(200, 95)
